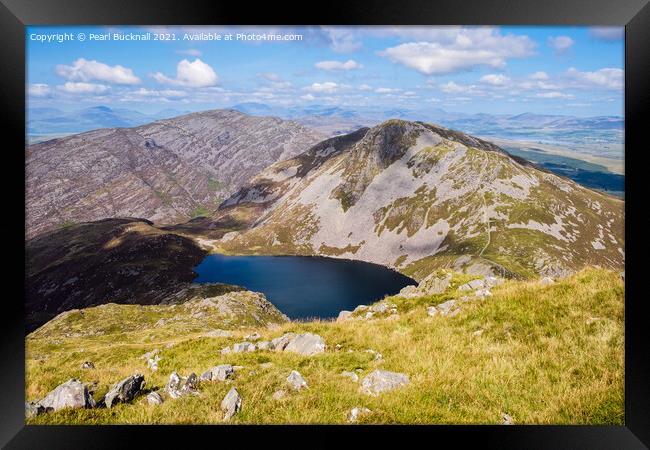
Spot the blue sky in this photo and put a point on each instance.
(496, 70)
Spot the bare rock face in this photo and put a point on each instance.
(71, 394)
(124, 391)
(164, 171)
(380, 381)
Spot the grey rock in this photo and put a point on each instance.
(33, 409)
(379, 381)
(88, 365)
(507, 419)
(351, 375)
(264, 345)
(150, 354)
(343, 316)
(218, 373)
(281, 342)
(124, 391)
(296, 381)
(306, 344)
(226, 350)
(154, 398)
(545, 281)
(218, 334)
(432, 311)
(355, 413)
(71, 394)
(252, 337)
(243, 347)
(231, 404)
(446, 307)
(279, 394)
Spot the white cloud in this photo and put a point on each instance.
(608, 77)
(84, 70)
(167, 93)
(607, 33)
(538, 76)
(342, 39)
(350, 64)
(560, 43)
(84, 88)
(39, 90)
(190, 74)
(308, 97)
(495, 79)
(455, 49)
(190, 52)
(385, 90)
(327, 87)
(553, 94)
(365, 87)
(454, 88)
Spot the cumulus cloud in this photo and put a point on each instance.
(308, 97)
(385, 90)
(326, 87)
(365, 87)
(191, 74)
(166, 93)
(350, 64)
(84, 88)
(342, 39)
(560, 43)
(458, 49)
(39, 90)
(452, 87)
(607, 33)
(608, 77)
(84, 70)
(538, 76)
(495, 79)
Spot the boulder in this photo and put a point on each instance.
(150, 354)
(507, 419)
(71, 394)
(243, 347)
(226, 350)
(218, 373)
(306, 344)
(296, 381)
(482, 293)
(545, 281)
(279, 394)
(124, 391)
(343, 316)
(88, 365)
(351, 375)
(154, 398)
(432, 311)
(446, 307)
(281, 342)
(264, 345)
(434, 284)
(179, 386)
(471, 285)
(252, 337)
(356, 412)
(152, 363)
(231, 404)
(379, 381)
(33, 409)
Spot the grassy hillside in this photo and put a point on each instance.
(546, 354)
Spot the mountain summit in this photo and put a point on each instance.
(418, 197)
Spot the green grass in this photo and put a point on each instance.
(548, 355)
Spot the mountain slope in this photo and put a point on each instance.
(417, 197)
(167, 171)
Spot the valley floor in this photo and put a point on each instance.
(538, 353)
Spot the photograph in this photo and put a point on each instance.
(324, 225)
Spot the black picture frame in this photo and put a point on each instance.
(16, 14)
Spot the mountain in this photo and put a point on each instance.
(167, 171)
(417, 197)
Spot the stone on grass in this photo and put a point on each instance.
(179, 386)
(243, 347)
(545, 281)
(306, 344)
(432, 311)
(226, 350)
(71, 394)
(351, 375)
(507, 419)
(264, 345)
(446, 307)
(279, 394)
(279, 343)
(88, 365)
(343, 316)
(218, 333)
(154, 398)
(231, 404)
(296, 381)
(124, 391)
(252, 337)
(379, 381)
(356, 412)
(33, 409)
(218, 373)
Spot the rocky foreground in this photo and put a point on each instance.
(454, 349)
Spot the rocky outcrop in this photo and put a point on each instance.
(181, 386)
(379, 381)
(218, 373)
(231, 404)
(306, 344)
(71, 394)
(124, 391)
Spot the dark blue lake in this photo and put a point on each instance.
(305, 286)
